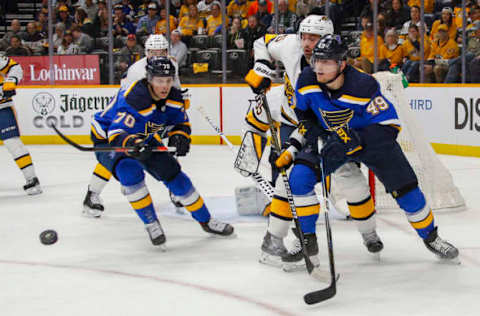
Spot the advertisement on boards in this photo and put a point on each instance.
(67, 70)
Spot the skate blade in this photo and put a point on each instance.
(217, 236)
(162, 247)
(34, 191)
(455, 261)
(300, 265)
(180, 210)
(270, 260)
(376, 256)
(88, 212)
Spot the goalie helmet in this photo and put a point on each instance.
(159, 66)
(316, 24)
(156, 42)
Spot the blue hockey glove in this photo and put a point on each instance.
(181, 142)
(343, 142)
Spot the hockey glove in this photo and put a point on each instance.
(286, 157)
(141, 150)
(343, 142)
(259, 78)
(181, 142)
(7, 89)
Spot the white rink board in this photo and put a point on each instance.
(448, 115)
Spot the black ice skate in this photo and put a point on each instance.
(293, 261)
(440, 247)
(32, 187)
(217, 228)
(155, 232)
(372, 242)
(273, 250)
(93, 205)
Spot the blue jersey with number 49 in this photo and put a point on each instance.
(358, 103)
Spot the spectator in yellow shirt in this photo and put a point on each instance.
(446, 19)
(411, 53)
(443, 49)
(184, 9)
(237, 8)
(367, 49)
(429, 4)
(391, 53)
(192, 24)
(161, 26)
(215, 19)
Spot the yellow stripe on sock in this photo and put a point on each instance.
(308, 210)
(362, 210)
(423, 223)
(142, 203)
(195, 206)
(102, 172)
(281, 208)
(23, 161)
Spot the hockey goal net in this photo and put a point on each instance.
(434, 179)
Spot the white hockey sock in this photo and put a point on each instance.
(99, 179)
(278, 227)
(21, 156)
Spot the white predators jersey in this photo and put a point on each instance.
(9, 68)
(137, 72)
(287, 49)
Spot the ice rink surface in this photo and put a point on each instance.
(108, 266)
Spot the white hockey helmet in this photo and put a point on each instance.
(156, 42)
(316, 24)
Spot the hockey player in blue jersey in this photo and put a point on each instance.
(140, 116)
(347, 110)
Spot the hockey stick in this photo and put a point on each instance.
(331, 290)
(262, 184)
(106, 149)
(312, 270)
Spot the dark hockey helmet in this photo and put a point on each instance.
(329, 46)
(160, 66)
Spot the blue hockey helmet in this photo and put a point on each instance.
(330, 46)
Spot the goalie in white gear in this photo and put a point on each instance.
(294, 51)
(10, 74)
(155, 45)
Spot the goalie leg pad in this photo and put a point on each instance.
(418, 212)
(251, 201)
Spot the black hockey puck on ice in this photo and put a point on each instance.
(48, 237)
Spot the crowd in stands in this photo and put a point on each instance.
(81, 27)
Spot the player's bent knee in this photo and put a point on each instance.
(412, 201)
(129, 172)
(302, 179)
(180, 185)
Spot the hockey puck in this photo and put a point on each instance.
(48, 237)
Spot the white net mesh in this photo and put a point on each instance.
(434, 179)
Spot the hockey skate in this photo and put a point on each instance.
(273, 250)
(294, 261)
(372, 242)
(92, 205)
(156, 234)
(441, 248)
(217, 228)
(32, 187)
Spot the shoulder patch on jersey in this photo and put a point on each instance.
(269, 37)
